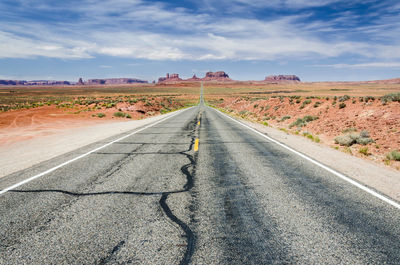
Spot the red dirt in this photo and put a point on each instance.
(381, 121)
(24, 124)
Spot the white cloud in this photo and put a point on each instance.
(364, 65)
(138, 29)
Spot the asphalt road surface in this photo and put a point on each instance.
(197, 188)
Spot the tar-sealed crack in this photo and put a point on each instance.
(189, 234)
(188, 170)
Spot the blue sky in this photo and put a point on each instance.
(319, 40)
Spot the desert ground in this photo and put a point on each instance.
(321, 112)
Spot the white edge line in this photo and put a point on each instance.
(86, 154)
(336, 173)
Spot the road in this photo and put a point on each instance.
(158, 196)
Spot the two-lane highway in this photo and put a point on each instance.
(195, 188)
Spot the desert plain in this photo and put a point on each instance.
(358, 118)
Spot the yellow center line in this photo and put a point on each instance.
(196, 145)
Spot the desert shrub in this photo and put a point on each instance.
(364, 141)
(364, 151)
(285, 118)
(243, 113)
(394, 155)
(345, 140)
(276, 108)
(283, 130)
(128, 116)
(305, 102)
(317, 104)
(311, 137)
(309, 118)
(255, 106)
(342, 105)
(394, 97)
(364, 134)
(351, 138)
(265, 123)
(119, 114)
(298, 101)
(368, 98)
(301, 122)
(344, 98)
(101, 115)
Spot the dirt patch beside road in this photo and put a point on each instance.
(324, 119)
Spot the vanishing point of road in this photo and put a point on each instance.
(194, 188)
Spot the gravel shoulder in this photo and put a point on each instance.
(380, 178)
(26, 153)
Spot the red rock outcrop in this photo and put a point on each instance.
(169, 78)
(193, 78)
(216, 76)
(282, 78)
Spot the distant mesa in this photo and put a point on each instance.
(282, 78)
(108, 81)
(113, 81)
(216, 76)
(169, 78)
(33, 83)
(219, 76)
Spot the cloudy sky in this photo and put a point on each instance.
(249, 39)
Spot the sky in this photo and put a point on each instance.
(318, 40)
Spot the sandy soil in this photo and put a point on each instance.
(381, 121)
(41, 141)
(24, 124)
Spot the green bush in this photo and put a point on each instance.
(285, 118)
(394, 155)
(342, 105)
(303, 122)
(101, 115)
(305, 102)
(394, 97)
(119, 114)
(344, 98)
(364, 151)
(128, 116)
(317, 104)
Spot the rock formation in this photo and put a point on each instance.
(114, 81)
(282, 78)
(216, 76)
(80, 82)
(193, 78)
(169, 78)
